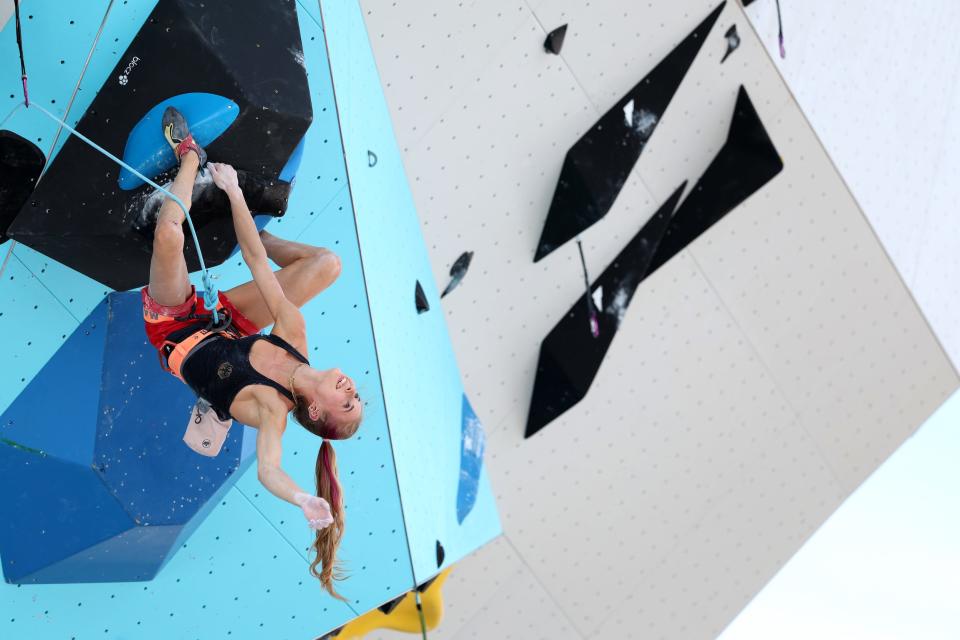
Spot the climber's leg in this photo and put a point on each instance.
(169, 282)
(305, 272)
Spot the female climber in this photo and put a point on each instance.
(239, 373)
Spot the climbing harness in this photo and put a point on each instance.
(178, 352)
(211, 297)
(172, 354)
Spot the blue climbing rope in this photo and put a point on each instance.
(210, 293)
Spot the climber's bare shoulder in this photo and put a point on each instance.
(260, 406)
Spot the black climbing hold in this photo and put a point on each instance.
(262, 194)
(733, 41)
(21, 162)
(388, 607)
(597, 166)
(554, 41)
(371, 158)
(746, 162)
(421, 299)
(441, 554)
(249, 57)
(426, 585)
(332, 634)
(458, 270)
(570, 356)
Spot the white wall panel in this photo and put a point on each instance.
(6, 12)
(483, 178)
(726, 557)
(609, 53)
(479, 579)
(800, 270)
(758, 377)
(680, 412)
(429, 53)
(521, 610)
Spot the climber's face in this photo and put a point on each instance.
(336, 394)
(329, 404)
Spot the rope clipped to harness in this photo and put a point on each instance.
(211, 294)
(172, 353)
(222, 324)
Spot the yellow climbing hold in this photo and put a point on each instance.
(404, 617)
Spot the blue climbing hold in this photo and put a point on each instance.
(147, 150)
(472, 443)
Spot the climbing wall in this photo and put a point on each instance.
(447, 503)
(239, 568)
(756, 378)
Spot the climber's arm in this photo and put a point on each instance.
(269, 454)
(251, 248)
(272, 476)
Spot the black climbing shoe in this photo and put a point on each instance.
(177, 133)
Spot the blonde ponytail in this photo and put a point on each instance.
(328, 539)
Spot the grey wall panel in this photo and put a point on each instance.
(674, 424)
(800, 270)
(6, 12)
(430, 53)
(521, 610)
(483, 178)
(727, 556)
(758, 376)
(885, 104)
(478, 584)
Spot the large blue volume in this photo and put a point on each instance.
(99, 486)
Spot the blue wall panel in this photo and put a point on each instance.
(35, 325)
(92, 416)
(77, 293)
(420, 378)
(54, 66)
(243, 572)
(43, 498)
(142, 415)
(374, 549)
(57, 39)
(133, 553)
(234, 578)
(63, 397)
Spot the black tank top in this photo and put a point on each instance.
(218, 368)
